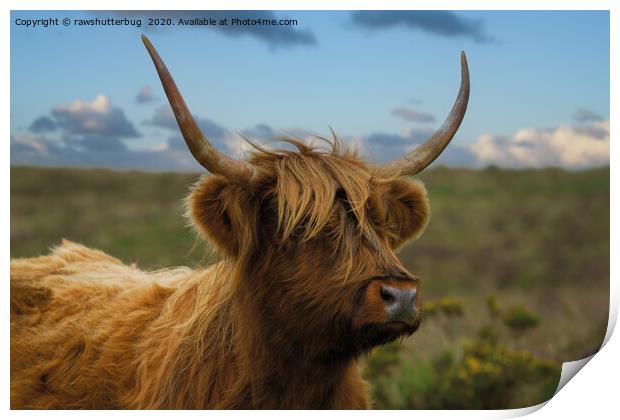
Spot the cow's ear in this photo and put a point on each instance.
(408, 209)
(224, 213)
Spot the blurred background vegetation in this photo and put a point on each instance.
(514, 268)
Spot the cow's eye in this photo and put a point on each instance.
(299, 229)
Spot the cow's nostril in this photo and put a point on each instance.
(400, 303)
(387, 296)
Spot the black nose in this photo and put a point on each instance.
(400, 303)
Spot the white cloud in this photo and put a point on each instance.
(98, 117)
(145, 95)
(585, 115)
(161, 147)
(568, 146)
(100, 105)
(237, 147)
(27, 142)
(413, 115)
(164, 117)
(358, 144)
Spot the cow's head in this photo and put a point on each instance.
(313, 232)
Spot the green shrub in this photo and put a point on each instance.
(520, 319)
(449, 306)
(489, 374)
(493, 307)
(481, 373)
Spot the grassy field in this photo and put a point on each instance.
(515, 265)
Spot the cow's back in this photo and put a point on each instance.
(70, 312)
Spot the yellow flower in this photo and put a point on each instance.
(473, 364)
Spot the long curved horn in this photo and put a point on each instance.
(203, 151)
(423, 155)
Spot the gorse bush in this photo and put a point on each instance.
(519, 319)
(493, 307)
(487, 375)
(481, 373)
(450, 307)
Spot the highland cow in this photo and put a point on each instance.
(307, 282)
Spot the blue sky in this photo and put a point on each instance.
(384, 80)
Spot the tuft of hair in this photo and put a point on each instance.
(310, 179)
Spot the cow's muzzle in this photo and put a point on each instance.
(400, 303)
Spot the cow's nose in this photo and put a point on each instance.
(400, 303)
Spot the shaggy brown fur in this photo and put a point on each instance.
(278, 322)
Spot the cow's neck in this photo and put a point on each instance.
(281, 374)
(295, 386)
